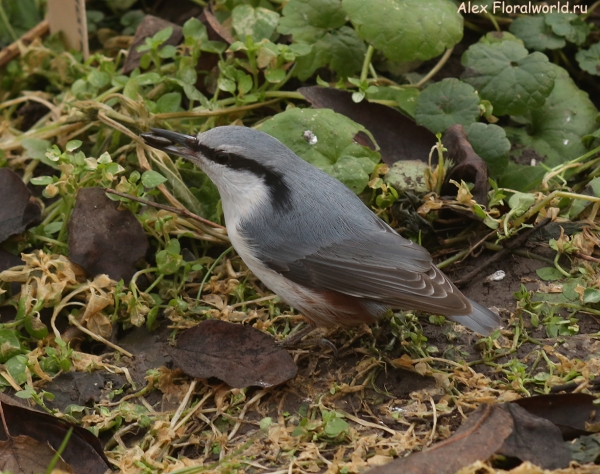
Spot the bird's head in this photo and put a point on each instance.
(241, 161)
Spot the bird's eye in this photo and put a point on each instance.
(222, 158)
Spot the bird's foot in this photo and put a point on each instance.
(295, 341)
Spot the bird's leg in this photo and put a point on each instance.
(295, 340)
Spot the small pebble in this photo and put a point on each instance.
(496, 276)
(310, 137)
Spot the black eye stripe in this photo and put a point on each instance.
(273, 179)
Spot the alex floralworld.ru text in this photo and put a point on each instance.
(526, 9)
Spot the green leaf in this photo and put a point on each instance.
(535, 33)
(555, 130)
(309, 20)
(342, 50)
(9, 344)
(98, 79)
(569, 25)
(513, 80)
(522, 177)
(521, 202)
(406, 97)
(163, 35)
(490, 143)
(169, 102)
(406, 30)
(73, 145)
(151, 179)
(167, 51)
(42, 180)
(257, 23)
(589, 59)
(336, 427)
(591, 295)
(446, 103)
(17, 368)
(194, 30)
(498, 36)
(274, 75)
(169, 260)
(549, 273)
(335, 150)
(35, 147)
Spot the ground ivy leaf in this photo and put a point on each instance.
(555, 130)
(522, 177)
(513, 80)
(406, 98)
(446, 103)
(569, 25)
(259, 23)
(535, 33)
(549, 273)
(341, 49)
(309, 20)
(335, 150)
(589, 59)
(490, 143)
(405, 30)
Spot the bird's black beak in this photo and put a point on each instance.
(171, 142)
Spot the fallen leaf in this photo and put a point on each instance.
(239, 355)
(18, 210)
(492, 429)
(104, 239)
(569, 411)
(468, 166)
(534, 439)
(25, 455)
(399, 138)
(83, 452)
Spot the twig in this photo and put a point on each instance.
(181, 212)
(518, 241)
(13, 50)
(586, 257)
(97, 337)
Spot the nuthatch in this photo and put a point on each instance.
(311, 240)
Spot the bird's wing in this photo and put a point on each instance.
(379, 265)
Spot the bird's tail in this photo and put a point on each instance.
(481, 319)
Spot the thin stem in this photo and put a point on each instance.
(494, 22)
(210, 270)
(435, 70)
(365, 67)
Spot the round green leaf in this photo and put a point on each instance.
(490, 143)
(549, 273)
(535, 33)
(258, 22)
(555, 130)
(334, 150)
(309, 20)
(405, 30)
(569, 25)
(342, 50)
(589, 59)
(513, 80)
(446, 103)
